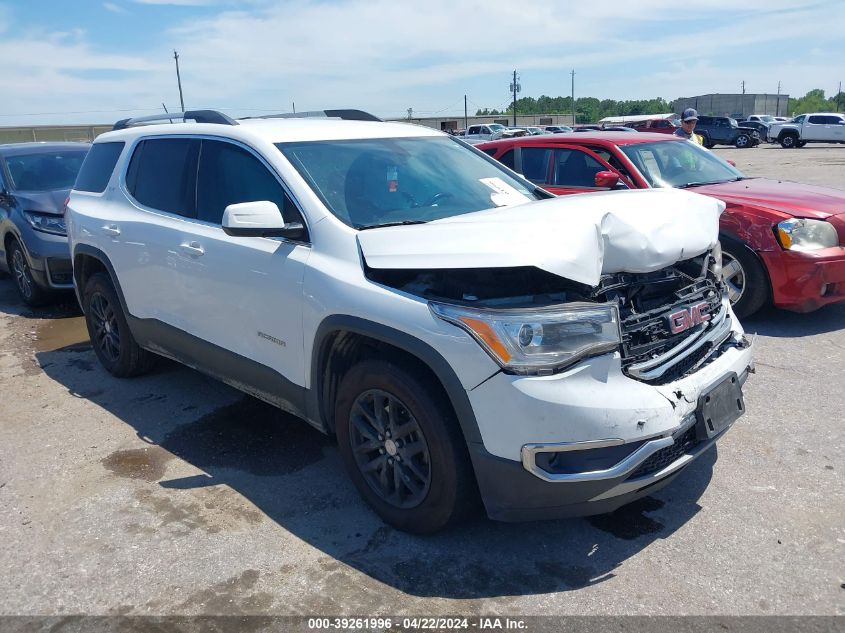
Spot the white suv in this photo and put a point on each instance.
(459, 329)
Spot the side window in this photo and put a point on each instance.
(574, 168)
(490, 152)
(507, 159)
(162, 174)
(817, 120)
(800, 119)
(97, 168)
(705, 120)
(474, 129)
(229, 174)
(535, 164)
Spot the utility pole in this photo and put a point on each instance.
(179, 79)
(515, 87)
(465, 112)
(743, 86)
(574, 116)
(838, 96)
(293, 106)
(778, 88)
(410, 113)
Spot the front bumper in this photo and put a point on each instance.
(621, 438)
(806, 281)
(49, 258)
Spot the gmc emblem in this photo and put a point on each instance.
(690, 317)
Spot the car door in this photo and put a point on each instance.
(816, 128)
(243, 294)
(562, 169)
(837, 128)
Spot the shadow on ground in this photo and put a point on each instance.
(780, 323)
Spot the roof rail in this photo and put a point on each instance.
(346, 115)
(199, 116)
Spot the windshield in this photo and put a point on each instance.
(496, 127)
(373, 182)
(767, 118)
(47, 171)
(679, 164)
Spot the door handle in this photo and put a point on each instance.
(111, 229)
(193, 249)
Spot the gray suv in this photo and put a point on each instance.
(35, 179)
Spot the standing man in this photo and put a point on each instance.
(688, 120)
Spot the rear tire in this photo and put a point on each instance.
(109, 330)
(748, 284)
(29, 291)
(402, 446)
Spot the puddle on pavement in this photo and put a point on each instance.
(143, 463)
(62, 334)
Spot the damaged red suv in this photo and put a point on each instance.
(782, 242)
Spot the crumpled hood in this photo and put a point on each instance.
(576, 237)
(43, 201)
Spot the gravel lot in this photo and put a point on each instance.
(174, 494)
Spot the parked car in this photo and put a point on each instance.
(485, 132)
(820, 127)
(762, 129)
(536, 131)
(723, 130)
(660, 124)
(408, 294)
(760, 118)
(558, 129)
(782, 242)
(617, 128)
(35, 179)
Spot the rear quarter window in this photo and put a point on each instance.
(97, 168)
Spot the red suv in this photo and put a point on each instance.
(782, 242)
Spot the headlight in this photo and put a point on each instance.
(530, 341)
(798, 234)
(46, 222)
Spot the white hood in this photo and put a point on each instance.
(579, 237)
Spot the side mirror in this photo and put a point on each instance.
(259, 219)
(730, 162)
(606, 179)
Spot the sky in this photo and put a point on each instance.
(90, 61)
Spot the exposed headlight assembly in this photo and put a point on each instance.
(542, 340)
(799, 234)
(46, 222)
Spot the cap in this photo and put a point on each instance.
(690, 115)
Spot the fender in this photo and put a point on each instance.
(96, 253)
(401, 340)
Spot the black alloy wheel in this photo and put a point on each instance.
(104, 324)
(29, 291)
(789, 141)
(390, 449)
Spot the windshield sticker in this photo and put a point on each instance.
(503, 194)
(393, 179)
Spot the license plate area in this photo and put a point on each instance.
(719, 407)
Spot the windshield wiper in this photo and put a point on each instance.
(401, 223)
(699, 184)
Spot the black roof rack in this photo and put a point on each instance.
(346, 115)
(200, 116)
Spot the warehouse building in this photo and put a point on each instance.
(457, 122)
(734, 105)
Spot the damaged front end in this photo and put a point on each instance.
(666, 324)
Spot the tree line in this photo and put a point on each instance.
(591, 109)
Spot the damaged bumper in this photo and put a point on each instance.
(592, 439)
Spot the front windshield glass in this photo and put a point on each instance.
(496, 127)
(679, 164)
(767, 118)
(733, 122)
(373, 182)
(45, 171)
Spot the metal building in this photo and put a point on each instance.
(734, 105)
(457, 122)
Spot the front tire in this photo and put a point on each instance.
(402, 446)
(108, 329)
(748, 285)
(742, 141)
(29, 291)
(789, 141)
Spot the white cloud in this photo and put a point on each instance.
(183, 3)
(385, 56)
(114, 8)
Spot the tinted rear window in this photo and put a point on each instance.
(98, 166)
(163, 174)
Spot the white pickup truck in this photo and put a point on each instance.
(819, 127)
(484, 132)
